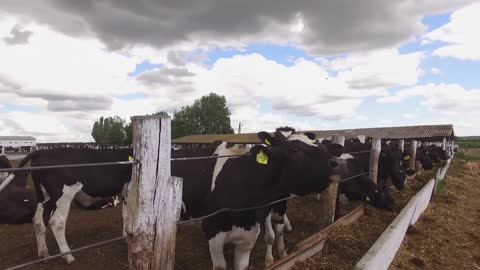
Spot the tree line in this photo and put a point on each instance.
(207, 115)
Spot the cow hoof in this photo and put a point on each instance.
(43, 254)
(268, 261)
(69, 259)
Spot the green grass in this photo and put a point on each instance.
(468, 144)
(462, 155)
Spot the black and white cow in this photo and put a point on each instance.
(437, 153)
(422, 155)
(56, 188)
(297, 166)
(389, 163)
(17, 203)
(359, 187)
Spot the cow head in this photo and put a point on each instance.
(305, 166)
(381, 198)
(363, 188)
(334, 149)
(393, 158)
(424, 158)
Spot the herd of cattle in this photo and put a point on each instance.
(285, 164)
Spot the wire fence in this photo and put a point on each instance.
(66, 253)
(133, 162)
(100, 164)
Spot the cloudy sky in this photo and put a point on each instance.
(326, 64)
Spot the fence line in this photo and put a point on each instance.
(66, 253)
(101, 164)
(254, 207)
(115, 163)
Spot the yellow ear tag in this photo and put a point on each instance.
(262, 158)
(130, 158)
(406, 158)
(267, 142)
(367, 199)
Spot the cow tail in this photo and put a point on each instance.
(11, 176)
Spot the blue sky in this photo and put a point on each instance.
(452, 71)
(423, 70)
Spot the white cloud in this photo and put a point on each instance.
(460, 34)
(323, 26)
(379, 69)
(408, 116)
(450, 103)
(435, 71)
(80, 81)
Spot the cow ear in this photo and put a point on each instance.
(310, 135)
(266, 138)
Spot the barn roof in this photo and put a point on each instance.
(425, 132)
(17, 138)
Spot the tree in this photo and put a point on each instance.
(207, 115)
(109, 130)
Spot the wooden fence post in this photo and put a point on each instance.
(444, 143)
(413, 154)
(154, 197)
(328, 198)
(374, 155)
(362, 138)
(402, 145)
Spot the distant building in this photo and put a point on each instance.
(17, 143)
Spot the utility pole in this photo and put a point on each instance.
(240, 127)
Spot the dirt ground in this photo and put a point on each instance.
(447, 236)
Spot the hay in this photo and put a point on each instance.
(447, 236)
(346, 245)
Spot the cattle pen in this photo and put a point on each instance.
(155, 196)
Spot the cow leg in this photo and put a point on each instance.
(40, 230)
(216, 251)
(278, 220)
(244, 247)
(58, 221)
(288, 226)
(269, 239)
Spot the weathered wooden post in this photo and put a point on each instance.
(402, 145)
(328, 198)
(154, 197)
(444, 143)
(374, 156)
(413, 154)
(362, 138)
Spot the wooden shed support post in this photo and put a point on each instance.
(374, 155)
(413, 154)
(328, 198)
(402, 145)
(444, 144)
(154, 197)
